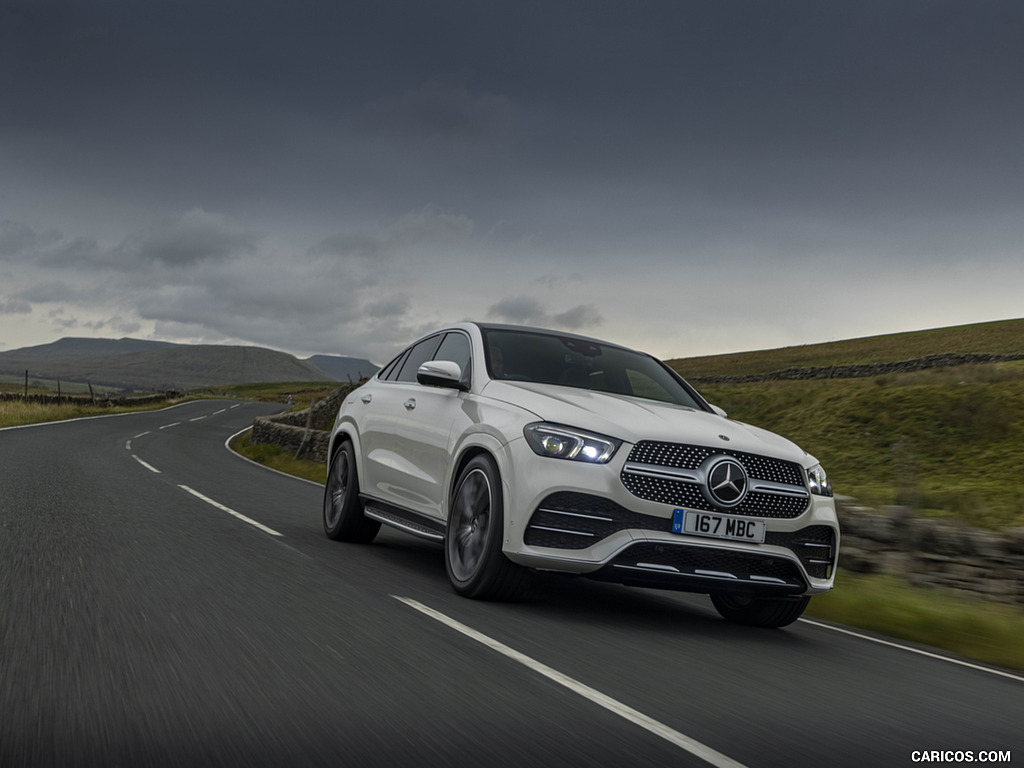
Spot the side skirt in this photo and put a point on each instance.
(403, 519)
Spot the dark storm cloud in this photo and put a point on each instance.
(527, 310)
(257, 170)
(184, 241)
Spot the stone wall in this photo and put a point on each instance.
(859, 371)
(933, 553)
(306, 434)
(80, 399)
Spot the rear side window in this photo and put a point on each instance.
(391, 369)
(418, 355)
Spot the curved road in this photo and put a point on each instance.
(165, 602)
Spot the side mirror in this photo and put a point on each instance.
(441, 373)
(719, 411)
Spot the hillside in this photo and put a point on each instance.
(343, 368)
(1002, 338)
(134, 364)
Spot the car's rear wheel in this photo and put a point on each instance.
(759, 611)
(343, 510)
(473, 558)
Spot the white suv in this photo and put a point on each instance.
(532, 450)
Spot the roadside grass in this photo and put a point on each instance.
(981, 630)
(302, 392)
(15, 413)
(276, 457)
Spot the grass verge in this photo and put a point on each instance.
(275, 457)
(984, 631)
(14, 413)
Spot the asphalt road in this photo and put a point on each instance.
(165, 602)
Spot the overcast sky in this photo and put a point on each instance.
(339, 177)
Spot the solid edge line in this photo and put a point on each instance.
(233, 452)
(929, 654)
(671, 735)
(230, 511)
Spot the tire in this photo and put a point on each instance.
(343, 510)
(759, 612)
(476, 566)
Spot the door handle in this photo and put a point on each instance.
(409, 404)
(366, 398)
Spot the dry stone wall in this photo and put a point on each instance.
(933, 553)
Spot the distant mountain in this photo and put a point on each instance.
(344, 368)
(78, 347)
(137, 364)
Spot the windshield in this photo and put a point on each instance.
(544, 358)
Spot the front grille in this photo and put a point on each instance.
(686, 492)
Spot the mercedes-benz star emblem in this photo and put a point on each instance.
(727, 482)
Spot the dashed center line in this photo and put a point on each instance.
(150, 467)
(222, 410)
(230, 511)
(168, 426)
(198, 418)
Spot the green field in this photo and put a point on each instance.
(1004, 337)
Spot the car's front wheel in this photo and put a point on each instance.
(473, 558)
(343, 510)
(759, 611)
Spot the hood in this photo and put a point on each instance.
(633, 419)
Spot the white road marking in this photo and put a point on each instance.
(198, 418)
(150, 467)
(216, 413)
(930, 655)
(670, 735)
(141, 434)
(128, 445)
(168, 426)
(230, 511)
(235, 405)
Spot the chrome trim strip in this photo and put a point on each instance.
(382, 517)
(716, 574)
(669, 473)
(561, 530)
(769, 579)
(780, 489)
(575, 514)
(656, 567)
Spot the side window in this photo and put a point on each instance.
(418, 355)
(389, 371)
(455, 347)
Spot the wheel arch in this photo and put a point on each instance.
(486, 445)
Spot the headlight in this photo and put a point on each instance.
(818, 482)
(559, 442)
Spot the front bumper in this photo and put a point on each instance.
(580, 518)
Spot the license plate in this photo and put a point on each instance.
(717, 526)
